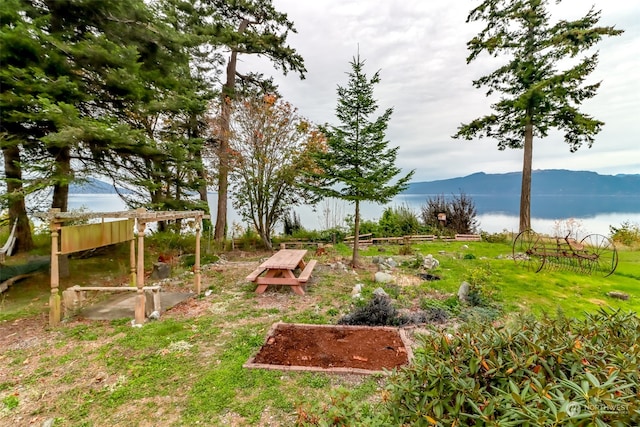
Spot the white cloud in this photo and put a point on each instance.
(420, 49)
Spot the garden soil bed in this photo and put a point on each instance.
(332, 348)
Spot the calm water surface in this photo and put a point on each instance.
(549, 215)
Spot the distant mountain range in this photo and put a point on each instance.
(94, 186)
(552, 182)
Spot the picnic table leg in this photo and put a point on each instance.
(279, 273)
(263, 287)
(295, 288)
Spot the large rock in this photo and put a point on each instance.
(430, 262)
(382, 277)
(463, 292)
(160, 271)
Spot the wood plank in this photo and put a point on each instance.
(306, 273)
(113, 288)
(285, 259)
(468, 237)
(254, 274)
(289, 281)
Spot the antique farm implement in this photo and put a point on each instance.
(595, 254)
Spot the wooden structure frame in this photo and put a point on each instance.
(142, 217)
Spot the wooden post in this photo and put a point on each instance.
(54, 299)
(140, 299)
(132, 261)
(196, 267)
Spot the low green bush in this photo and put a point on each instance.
(627, 233)
(502, 237)
(552, 371)
(530, 372)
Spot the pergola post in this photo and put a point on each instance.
(196, 267)
(140, 298)
(132, 262)
(54, 299)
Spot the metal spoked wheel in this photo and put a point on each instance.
(601, 253)
(528, 251)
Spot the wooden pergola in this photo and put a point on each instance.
(69, 239)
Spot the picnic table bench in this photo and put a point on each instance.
(279, 270)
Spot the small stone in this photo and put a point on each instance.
(49, 422)
(356, 289)
(380, 292)
(208, 292)
(464, 247)
(430, 262)
(618, 295)
(155, 315)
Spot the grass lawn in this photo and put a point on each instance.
(186, 369)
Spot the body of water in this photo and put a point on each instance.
(550, 214)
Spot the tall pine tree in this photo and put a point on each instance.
(357, 164)
(536, 94)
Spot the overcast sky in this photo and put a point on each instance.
(420, 49)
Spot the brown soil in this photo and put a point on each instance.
(357, 348)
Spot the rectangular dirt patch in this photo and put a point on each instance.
(332, 348)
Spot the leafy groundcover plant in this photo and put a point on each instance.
(529, 372)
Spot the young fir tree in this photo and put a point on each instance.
(535, 94)
(357, 164)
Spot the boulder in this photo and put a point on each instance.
(160, 271)
(463, 292)
(382, 277)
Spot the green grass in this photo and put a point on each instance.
(522, 290)
(183, 371)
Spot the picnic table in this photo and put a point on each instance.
(279, 270)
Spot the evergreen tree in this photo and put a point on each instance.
(357, 164)
(536, 94)
(246, 27)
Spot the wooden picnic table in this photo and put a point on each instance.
(279, 270)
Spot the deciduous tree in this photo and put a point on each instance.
(247, 27)
(270, 147)
(542, 85)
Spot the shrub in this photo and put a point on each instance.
(405, 250)
(332, 235)
(481, 291)
(379, 311)
(399, 221)
(502, 237)
(368, 227)
(530, 372)
(460, 211)
(628, 234)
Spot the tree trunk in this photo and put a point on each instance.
(356, 236)
(525, 192)
(17, 207)
(228, 95)
(61, 189)
(202, 191)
